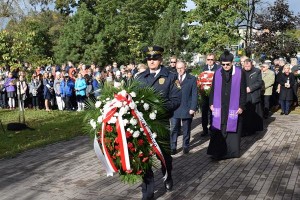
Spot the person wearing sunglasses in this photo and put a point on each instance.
(227, 102)
(172, 67)
(167, 84)
(205, 111)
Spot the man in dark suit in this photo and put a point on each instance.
(172, 66)
(253, 115)
(205, 111)
(166, 83)
(185, 112)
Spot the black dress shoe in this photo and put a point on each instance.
(173, 151)
(149, 197)
(169, 184)
(282, 113)
(186, 150)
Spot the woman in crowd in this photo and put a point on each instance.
(48, 90)
(21, 91)
(10, 85)
(35, 90)
(2, 92)
(57, 81)
(80, 88)
(268, 78)
(286, 92)
(97, 84)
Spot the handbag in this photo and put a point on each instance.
(217, 145)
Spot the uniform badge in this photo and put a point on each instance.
(161, 81)
(177, 84)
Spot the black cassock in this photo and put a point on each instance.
(233, 139)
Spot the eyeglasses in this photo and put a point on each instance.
(210, 59)
(172, 62)
(225, 64)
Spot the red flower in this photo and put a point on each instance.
(145, 159)
(109, 128)
(139, 172)
(130, 145)
(128, 134)
(117, 140)
(140, 154)
(140, 142)
(129, 171)
(118, 153)
(117, 147)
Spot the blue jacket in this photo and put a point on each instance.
(166, 83)
(66, 88)
(189, 97)
(80, 86)
(97, 85)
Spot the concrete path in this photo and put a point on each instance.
(268, 169)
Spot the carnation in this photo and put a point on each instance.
(133, 94)
(136, 134)
(146, 106)
(152, 116)
(98, 104)
(100, 119)
(93, 123)
(112, 120)
(133, 121)
(154, 135)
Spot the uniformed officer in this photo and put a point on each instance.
(166, 83)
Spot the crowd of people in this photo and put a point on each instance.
(63, 87)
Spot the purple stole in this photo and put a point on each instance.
(233, 104)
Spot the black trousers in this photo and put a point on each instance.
(148, 179)
(68, 102)
(205, 112)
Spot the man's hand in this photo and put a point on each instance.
(212, 107)
(248, 90)
(191, 112)
(239, 111)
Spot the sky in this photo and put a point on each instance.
(294, 5)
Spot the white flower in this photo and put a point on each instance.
(133, 94)
(136, 134)
(100, 119)
(132, 105)
(93, 123)
(133, 121)
(152, 116)
(125, 122)
(98, 104)
(206, 87)
(128, 129)
(142, 101)
(131, 131)
(119, 104)
(107, 99)
(155, 111)
(146, 106)
(112, 120)
(141, 129)
(154, 135)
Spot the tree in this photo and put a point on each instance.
(214, 24)
(170, 31)
(273, 38)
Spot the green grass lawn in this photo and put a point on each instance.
(46, 128)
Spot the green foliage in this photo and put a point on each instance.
(214, 25)
(275, 39)
(170, 30)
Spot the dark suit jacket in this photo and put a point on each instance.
(215, 67)
(255, 83)
(188, 98)
(165, 82)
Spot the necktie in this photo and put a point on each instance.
(180, 79)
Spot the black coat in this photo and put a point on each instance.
(166, 83)
(255, 83)
(286, 93)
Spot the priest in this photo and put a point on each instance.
(227, 103)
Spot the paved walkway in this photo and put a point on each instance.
(268, 169)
